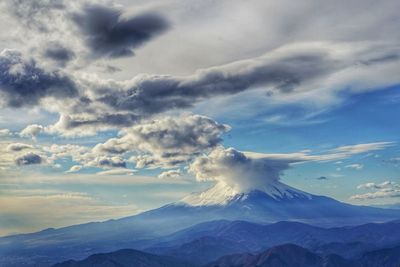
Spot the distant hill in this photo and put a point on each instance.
(124, 258)
(208, 241)
(290, 255)
(389, 257)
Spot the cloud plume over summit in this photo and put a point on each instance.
(238, 171)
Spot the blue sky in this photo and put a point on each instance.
(94, 130)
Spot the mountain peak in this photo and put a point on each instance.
(223, 194)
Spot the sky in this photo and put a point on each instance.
(111, 108)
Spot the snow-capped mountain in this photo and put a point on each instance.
(223, 194)
(270, 203)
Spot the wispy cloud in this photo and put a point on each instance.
(338, 153)
(355, 166)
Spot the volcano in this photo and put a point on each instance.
(270, 203)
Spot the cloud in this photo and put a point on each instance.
(34, 15)
(76, 152)
(362, 148)
(386, 184)
(148, 95)
(59, 53)
(15, 147)
(32, 130)
(355, 166)
(166, 142)
(297, 71)
(29, 158)
(341, 152)
(387, 189)
(244, 171)
(74, 168)
(23, 83)
(5, 132)
(171, 174)
(110, 69)
(394, 161)
(118, 171)
(287, 72)
(107, 33)
(84, 156)
(59, 31)
(237, 170)
(112, 162)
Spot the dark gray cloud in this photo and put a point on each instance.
(28, 159)
(14, 147)
(122, 104)
(23, 83)
(111, 69)
(112, 162)
(290, 70)
(107, 33)
(155, 94)
(59, 53)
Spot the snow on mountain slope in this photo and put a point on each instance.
(223, 194)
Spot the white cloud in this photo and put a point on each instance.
(166, 142)
(117, 171)
(32, 130)
(5, 132)
(171, 174)
(250, 170)
(238, 170)
(342, 152)
(75, 168)
(355, 166)
(363, 148)
(387, 189)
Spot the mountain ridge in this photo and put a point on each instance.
(125, 258)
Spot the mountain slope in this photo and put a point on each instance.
(124, 258)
